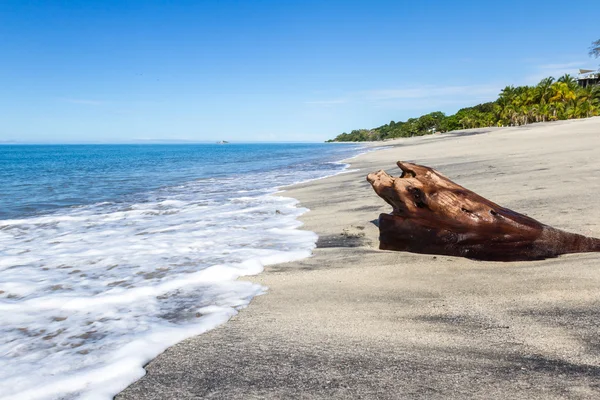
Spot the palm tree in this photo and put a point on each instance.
(527, 96)
(506, 113)
(544, 89)
(497, 110)
(594, 109)
(561, 92)
(559, 110)
(545, 111)
(573, 110)
(595, 92)
(585, 109)
(513, 113)
(569, 81)
(535, 112)
(595, 49)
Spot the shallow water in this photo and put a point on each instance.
(110, 254)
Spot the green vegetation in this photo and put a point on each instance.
(595, 49)
(549, 100)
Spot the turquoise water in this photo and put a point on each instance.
(37, 179)
(111, 253)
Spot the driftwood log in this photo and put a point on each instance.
(433, 215)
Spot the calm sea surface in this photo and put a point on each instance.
(111, 253)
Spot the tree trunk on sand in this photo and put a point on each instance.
(433, 215)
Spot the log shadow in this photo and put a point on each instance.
(329, 241)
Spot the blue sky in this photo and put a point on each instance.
(118, 71)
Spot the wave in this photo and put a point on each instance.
(90, 294)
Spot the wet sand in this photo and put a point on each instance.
(356, 322)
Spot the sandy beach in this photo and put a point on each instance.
(356, 322)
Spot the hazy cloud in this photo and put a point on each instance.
(570, 65)
(82, 101)
(417, 94)
(327, 102)
(432, 91)
(557, 70)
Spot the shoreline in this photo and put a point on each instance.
(353, 321)
(101, 356)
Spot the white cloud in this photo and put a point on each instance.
(557, 70)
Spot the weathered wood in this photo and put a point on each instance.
(433, 215)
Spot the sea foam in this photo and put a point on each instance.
(90, 294)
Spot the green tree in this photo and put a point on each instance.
(570, 81)
(544, 89)
(561, 92)
(595, 49)
(549, 100)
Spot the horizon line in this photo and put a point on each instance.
(150, 142)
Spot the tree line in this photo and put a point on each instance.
(549, 100)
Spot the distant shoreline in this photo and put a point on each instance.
(550, 100)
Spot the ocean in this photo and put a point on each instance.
(109, 254)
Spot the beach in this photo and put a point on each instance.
(356, 322)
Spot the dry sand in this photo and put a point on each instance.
(357, 322)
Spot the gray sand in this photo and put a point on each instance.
(357, 322)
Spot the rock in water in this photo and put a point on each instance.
(433, 215)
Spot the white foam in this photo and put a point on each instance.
(89, 295)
